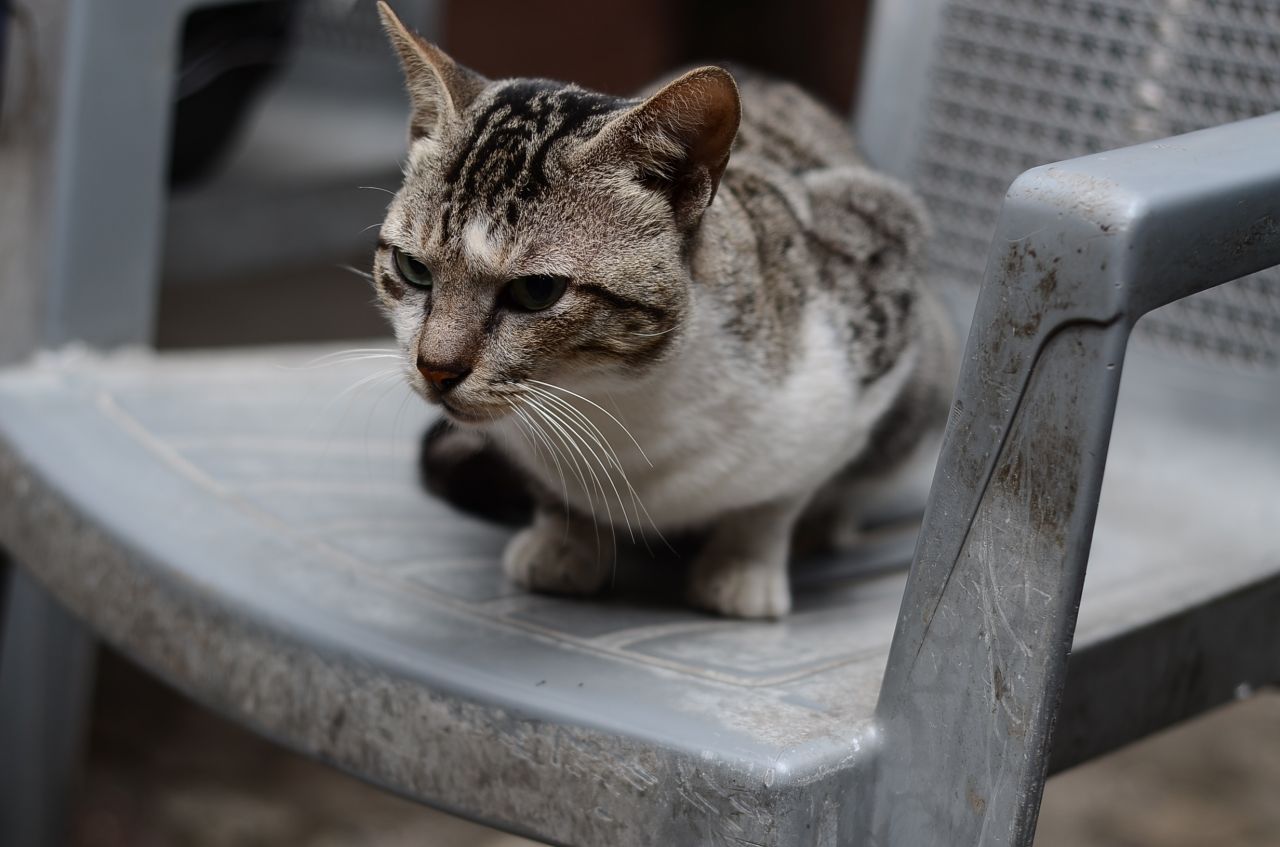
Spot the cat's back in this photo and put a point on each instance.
(786, 125)
(805, 240)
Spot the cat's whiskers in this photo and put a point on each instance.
(600, 438)
(367, 357)
(350, 392)
(587, 428)
(535, 438)
(404, 401)
(638, 502)
(534, 450)
(341, 357)
(626, 519)
(587, 424)
(366, 380)
(566, 438)
(538, 432)
(575, 432)
(392, 385)
(655, 334)
(362, 274)
(355, 350)
(620, 424)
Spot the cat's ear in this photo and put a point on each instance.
(678, 139)
(439, 88)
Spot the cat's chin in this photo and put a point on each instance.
(467, 416)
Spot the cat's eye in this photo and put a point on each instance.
(535, 293)
(412, 270)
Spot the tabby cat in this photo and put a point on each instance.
(656, 335)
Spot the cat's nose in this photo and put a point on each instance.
(442, 376)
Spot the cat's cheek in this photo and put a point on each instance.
(406, 324)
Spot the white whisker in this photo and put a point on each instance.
(355, 354)
(536, 429)
(357, 350)
(637, 501)
(524, 436)
(404, 401)
(585, 426)
(620, 424)
(392, 385)
(655, 334)
(357, 272)
(570, 447)
(572, 430)
(346, 361)
(364, 381)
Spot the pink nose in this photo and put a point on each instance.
(442, 377)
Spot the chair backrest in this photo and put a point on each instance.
(960, 96)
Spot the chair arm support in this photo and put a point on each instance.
(1082, 250)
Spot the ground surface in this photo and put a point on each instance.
(166, 773)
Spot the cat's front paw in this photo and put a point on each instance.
(741, 589)
(543, 557)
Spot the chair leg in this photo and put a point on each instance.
(82, 181)
(46, 676)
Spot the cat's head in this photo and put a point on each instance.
(541, 231)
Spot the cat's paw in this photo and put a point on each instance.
(543, 558)
(742, 589)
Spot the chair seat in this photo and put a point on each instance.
(253, 535)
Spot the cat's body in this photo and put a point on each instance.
(727, 366)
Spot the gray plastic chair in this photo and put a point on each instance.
(207, 515)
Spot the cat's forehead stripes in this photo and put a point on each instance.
(500, 161)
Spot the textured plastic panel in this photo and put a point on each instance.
(1019, 83)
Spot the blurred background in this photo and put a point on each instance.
(290, 118)
(290, 126)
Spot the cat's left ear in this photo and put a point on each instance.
(439, 88)
(678, 139)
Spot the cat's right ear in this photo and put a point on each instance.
(439, 88)
(678, 140)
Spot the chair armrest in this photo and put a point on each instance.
(1082, 250)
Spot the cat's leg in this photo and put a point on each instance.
(560, 552)
(742, 569)
(852, 505)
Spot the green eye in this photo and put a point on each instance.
(535, 293)
(414, 272)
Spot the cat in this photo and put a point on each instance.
(696, 310)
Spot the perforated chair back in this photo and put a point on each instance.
(960, 96)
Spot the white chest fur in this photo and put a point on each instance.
(707, 435)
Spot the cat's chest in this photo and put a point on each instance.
(708, 440)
